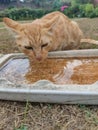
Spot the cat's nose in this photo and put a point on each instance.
(39, 58)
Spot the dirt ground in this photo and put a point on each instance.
(39, 116)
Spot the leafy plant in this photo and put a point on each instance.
(96, 11)
(89, 10)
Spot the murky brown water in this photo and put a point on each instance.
(59, 71)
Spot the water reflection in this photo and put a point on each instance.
(64, 76)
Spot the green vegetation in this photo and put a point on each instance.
(22, 13)
(75, 8)
(23, 127)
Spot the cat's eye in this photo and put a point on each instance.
(28, 47)
(44, 45)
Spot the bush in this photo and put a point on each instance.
(96, 11)
(68, 12)
(82, 10)
(72, 11)
(76, 10)
(89, 10)
(23, 13)
(57, 4)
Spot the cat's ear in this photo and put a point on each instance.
(49, 26)
(15, 26)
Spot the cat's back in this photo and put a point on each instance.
(51, 16)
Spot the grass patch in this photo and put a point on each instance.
(21, 128)
(1, 25)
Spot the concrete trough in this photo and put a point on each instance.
(46, 91)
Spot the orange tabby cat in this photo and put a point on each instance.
(53, 32)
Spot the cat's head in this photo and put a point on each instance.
(34, 39)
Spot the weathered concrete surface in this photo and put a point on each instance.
(45, 91)
(47, 85)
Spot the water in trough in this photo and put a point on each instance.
(59, 71)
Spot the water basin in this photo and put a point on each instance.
(68, 77)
